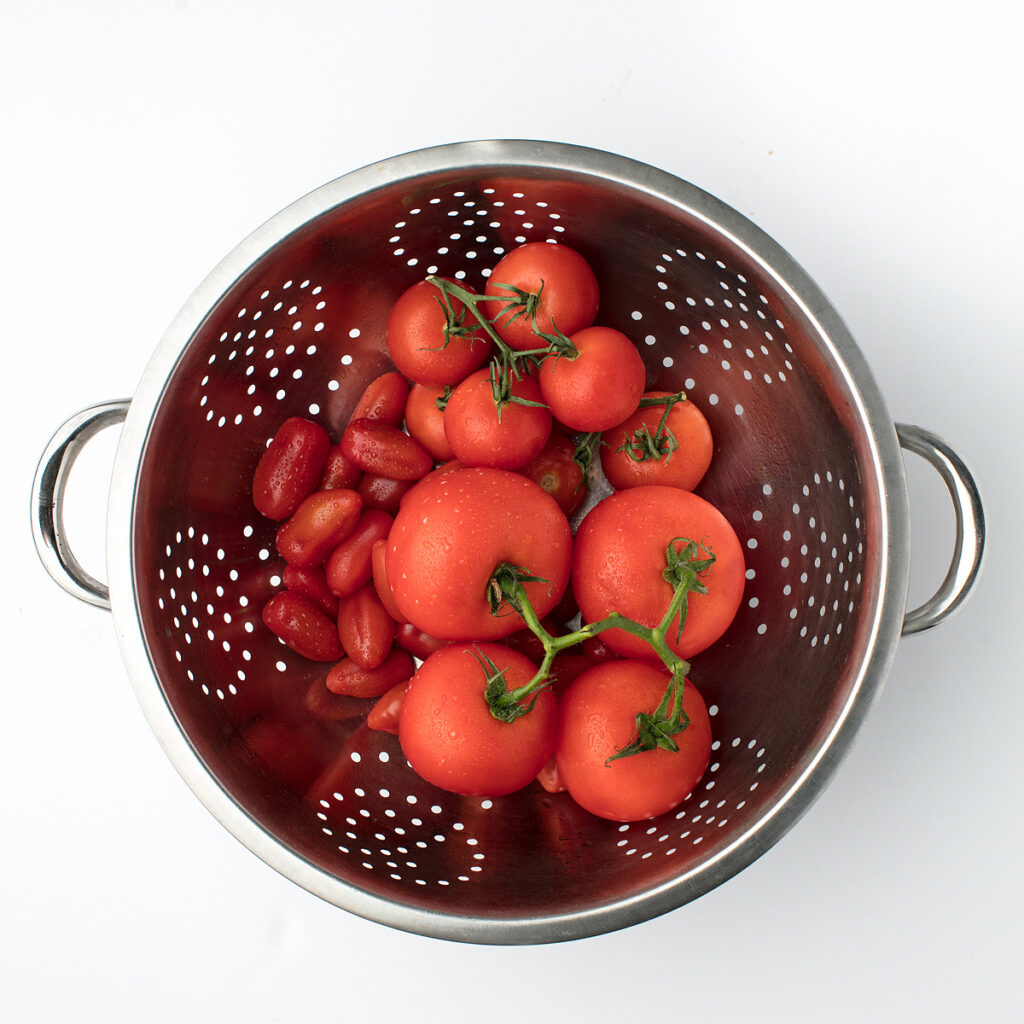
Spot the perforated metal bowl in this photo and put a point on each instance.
(807, 467)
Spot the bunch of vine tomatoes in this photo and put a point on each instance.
(431, 556)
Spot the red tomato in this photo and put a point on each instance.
(339, 471)
(382, 493)
(311, 582)
(424, 419)
(597, 718)
(349, 565)
(321, 521)
(303, 625)
(645, 450)
(419, 644)
(385, 713)
(450, 535)
(557, 472)
(419, 345)
(482, 433)
(350, 679)
(619, 558)
(548, 777)
(449, 735)
(365, 629)
(380, 448)
(332, 707)
(380, 579)
(599, 386)
(290, 468)
(384, 399)
(563, 281)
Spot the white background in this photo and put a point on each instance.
(880, 143)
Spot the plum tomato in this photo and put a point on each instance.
(384, 715)
(619, 560)
(289, 470)
(350, 564)
(383, 449)
(597, 718)
(598, 386)
(666, 441)
(303, 625)
(559, 287)
(350, 679)
(322, 520)
(384, 399)
(424, 419)
(449, 735)
(452, 532)
(556, 471)
(422, 344)
(365, 629)
(502, 434)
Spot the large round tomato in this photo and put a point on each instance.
(453, 530)
(419, 345)
(449, 735)
(645, 450)
(597, 718)
(620, 556)
(563, 284)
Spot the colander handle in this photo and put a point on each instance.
(969, 545)
(48, 500)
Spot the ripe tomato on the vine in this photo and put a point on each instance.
(619, 560)
(597, 718)
(451, 533)
(556, 471)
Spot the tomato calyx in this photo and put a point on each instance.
(657, 730)
(683, 568)
(504, 704)
(586, 450)
(644, 446)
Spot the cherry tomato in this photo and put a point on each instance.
(350, 679)
(365, 629)
(290, 468)
(597, 718)
(597, 387)
(655, 447)
(381, 448)
(418, 344)
(557, 472)
(385, 713)
(349, 565)
(563, 281)
(619, 558)
(311, 582)
(303, 625)
(483, 432)
(451, 534)
(449, 735)
(424, 419)
(384, 399)
(321, 521)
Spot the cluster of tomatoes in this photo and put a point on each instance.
(431, 560)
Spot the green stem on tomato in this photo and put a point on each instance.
(643, 446)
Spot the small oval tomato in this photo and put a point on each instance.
(350, 564)
(424, 419)
(384, 399)
(311, 582)
(350, 679)
(556, 471)
(380, 579)
(422, 345)
(381, 448)
(382, 492)
(558, 284)
(483, 431)
(303, 625)
(454, 530)
(597, 718)
(331, 707)
(599, 385)
(449, 735)
(365, 629)
(419, 644)
(660, 443)
(385, 713)
(321, 521)
(339, 471)
(289, 470)
(619, 559)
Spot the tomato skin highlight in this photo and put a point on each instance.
(454, 530)
(289, 470)
(683, 468)
(303, 625)
(619, 556)
(451, 739)
(600, 386)
(597, 717)
(384, 450)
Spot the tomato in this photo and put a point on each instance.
(321, 521)
(382, 492)
(564, 286)
(384, 715)
(454, 530)
(289, 470)
(332, 707)
(349, 565)
(419, 644)
(598, 386)
(381, 448)
(483, 432)
(548, 777)
(597, 718)
(378, 553)
(303, 625)
(652, 446)
(349, 679)
(419, 345)
(557, 472)
(365, 629)
(424, 419)
(449, 735)
(620, 555)
(339, 471)
(384, 399)
(311, 582)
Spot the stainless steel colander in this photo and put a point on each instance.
(808, 468)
